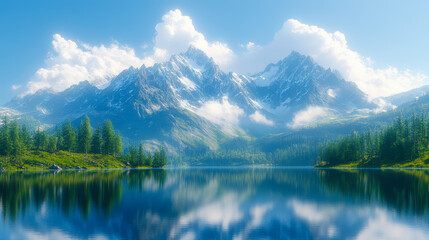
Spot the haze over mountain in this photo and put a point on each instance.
(404, 97)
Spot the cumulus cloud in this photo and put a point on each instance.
(222, 113)
(259, 118)
(176, 33)
(308, 116)
(71, 63)
(330, 50)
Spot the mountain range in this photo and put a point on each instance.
(190, 102)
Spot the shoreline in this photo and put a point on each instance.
(209, 167)
(375, 168)
(40, 160)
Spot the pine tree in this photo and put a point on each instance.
(96, 141)
(38, 139)
(59, 139)
(163, 157)
(44, 140)
(142, 155)
(157, 159)
(16, 149)
(84, 136)
(52, 143)
(117, 145)
(108, 138)
(132, 156)
(68, 137)
(25, 137)
(149, 160)
(74, 140)
(5, 143)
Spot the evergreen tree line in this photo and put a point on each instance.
(293, 155)
(15, 140)
(137, 157)
(403, 140)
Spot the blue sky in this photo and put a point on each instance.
(390, 33)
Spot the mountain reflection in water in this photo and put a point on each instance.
(215, 203)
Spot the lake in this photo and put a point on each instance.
(215, 203)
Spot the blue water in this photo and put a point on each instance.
(215, 203)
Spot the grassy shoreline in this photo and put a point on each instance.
(40, 160)
(421, 162)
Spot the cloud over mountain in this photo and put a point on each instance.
(259, 118)
(330, 50)
(222, 113)
(71, 63)
(176, 33)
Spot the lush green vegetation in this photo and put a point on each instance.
(138, 157)
(36, 159)
(292, 149)
(69, 147)
(404, 143)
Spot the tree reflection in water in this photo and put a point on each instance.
(406, 190)
(216, 203)
(67, 190)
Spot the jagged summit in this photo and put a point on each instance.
(198, 56)
(274, 71)
(191, 90)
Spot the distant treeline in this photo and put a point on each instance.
(404, 140)
(138, 157)
(16, 140)
(288, 150)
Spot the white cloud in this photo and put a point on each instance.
(308, 116)
(330, 50)
(250, 45)
(71, 63)
(332, 93)
(222, 113)
(176, 33)
(259, 118)
(16, 87)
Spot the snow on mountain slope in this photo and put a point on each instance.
(190, 93)
(412, 95)
(22, 118)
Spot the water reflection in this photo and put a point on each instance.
(219, 203)
(404, 190)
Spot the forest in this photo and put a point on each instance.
(292, 149)
(403, 141)
(17, 142)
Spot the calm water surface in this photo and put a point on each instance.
(215, 203)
